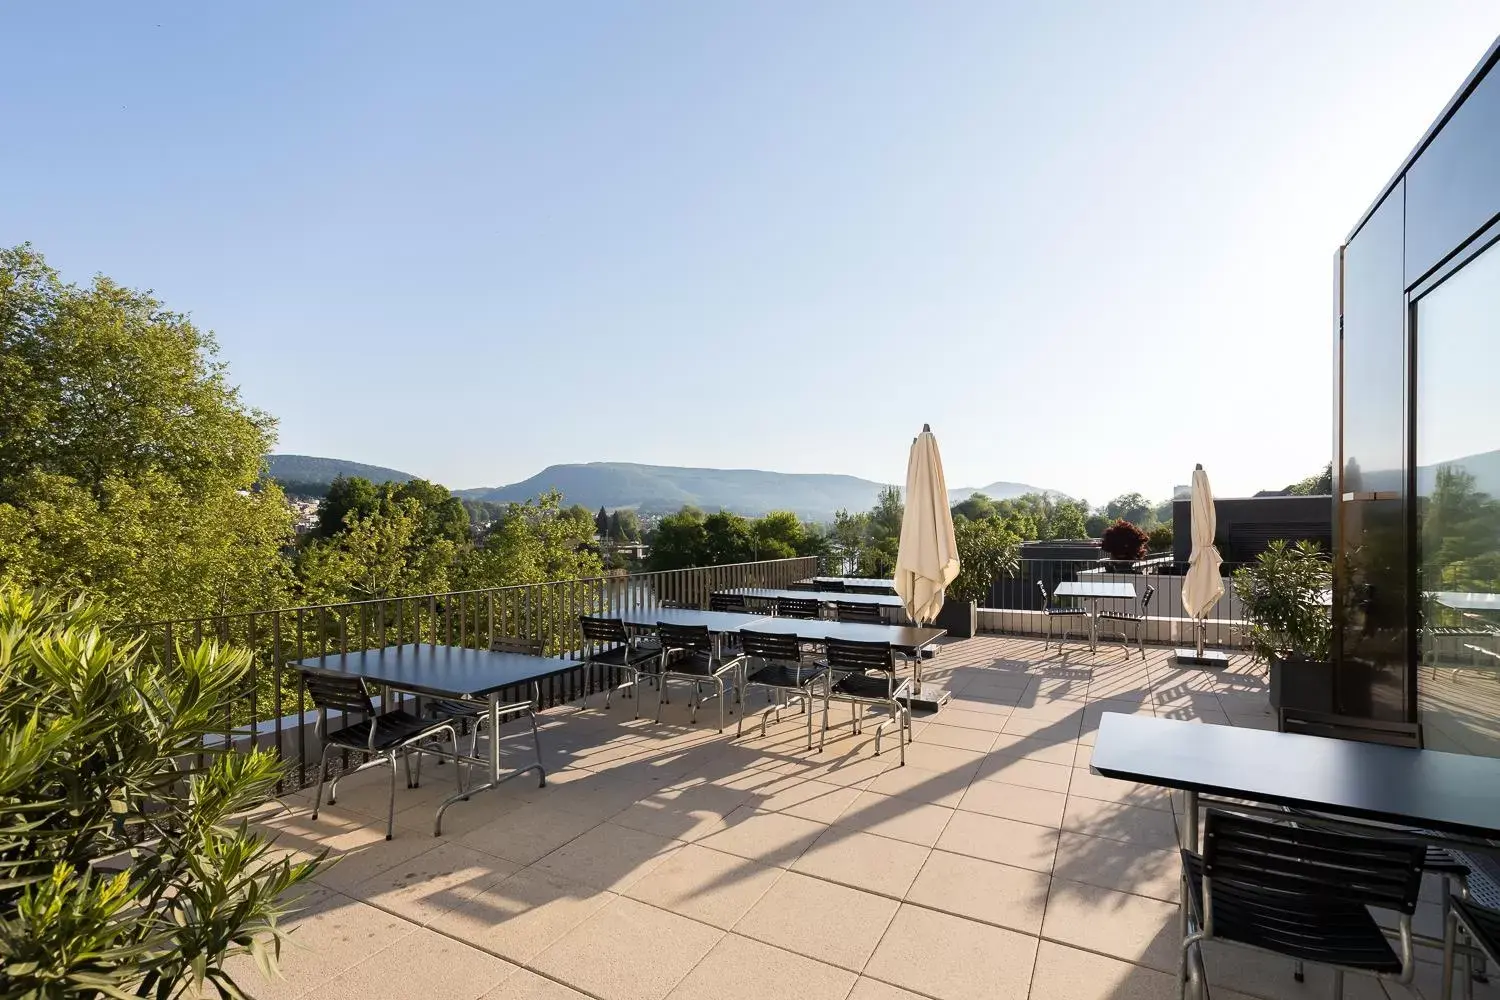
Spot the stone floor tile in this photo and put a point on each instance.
(1028, 805)
(518, 917)
(1096, 786)
(609, 857)
(1149, 827)
(874, 989)
(1118, 865)
(896, 817)
(1064, 973)
(682, 813)
(751, 970)
(706, 885)
(823, 920)
(944, 760)
(864, 861)
(952, 958)
(808, 798)
(958, 737)
(434, 881)
(988, 721)
(1045, 725)
(422, 965)
(1028, 773)
(942, 788)
(1007, 841)
(982, 890)
(1131, 928)
(628, 951)
(528, 834)
(527, 985)
(1008, 746)
(771, 838)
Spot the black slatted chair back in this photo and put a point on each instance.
(341, 694)
(1344, 727)
(799, 585)
(771, 646)
(796, 607)
(693, 638)
(1146, 599)
(832, 587)
(603, 631)
(516, 644)
(867, 614)
(1309, 866)
(858, 657)
(727, 602)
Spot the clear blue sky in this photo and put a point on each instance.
(472, 240)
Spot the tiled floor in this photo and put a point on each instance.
(669, 861)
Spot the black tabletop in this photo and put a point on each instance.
(853, 582)
(1424, 789)
(647, 616)
(444, 671)
(823, 596)
(904, 638)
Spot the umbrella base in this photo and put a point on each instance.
(1211, 658)
(928, 698)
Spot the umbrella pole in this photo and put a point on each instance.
(1202, 630)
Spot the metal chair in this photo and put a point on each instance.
(730, 602)
(606, 645)
(1437, 860)
(832, 587)
(774, 662)
(688, 653)
(1056, 611)
(1131, 618)
(1299, 892)
(477, 713)
(383, 735)
(864, 673)
(860, 613)
(796, 607)
(1481, 926)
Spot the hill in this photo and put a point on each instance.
(306, 475)
(661, 488)
(1000, 491)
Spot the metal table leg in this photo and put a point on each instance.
(496, 710)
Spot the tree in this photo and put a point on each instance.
(601, 524)
(726, 539)
(884, 533)
(630, 524)
(778, 535)
(534, 542)
(985, 551)
(1066, 520)
(129, 466)
(1123, 541)
(346, 495)
(442, 515)
(1130, 507)
(1318, 484)
(101, 760)
(383, 554)
(848, 538)
(679, 541)
(976, 507)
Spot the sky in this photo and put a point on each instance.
(1090, 244)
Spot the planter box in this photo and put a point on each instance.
(1301, 684)
(959, 618)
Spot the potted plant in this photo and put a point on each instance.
(1284, 594)
(1123, 543)
(985, 551)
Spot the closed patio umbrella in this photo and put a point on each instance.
(1203, 586)
(927, 560)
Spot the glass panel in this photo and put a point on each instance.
(1371, 572)
(1458, 508)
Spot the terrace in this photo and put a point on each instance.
(668, 860)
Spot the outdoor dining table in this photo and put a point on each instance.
(822, 596)
(1095, 591)
(478, 675)
(1424, 796)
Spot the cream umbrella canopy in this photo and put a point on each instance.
(927, 560)
(1203, 586)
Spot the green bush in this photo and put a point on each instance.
(1285, 597)
(985, 551)
(121, 871)
(1160, 539)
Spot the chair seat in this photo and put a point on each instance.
(1310, 928)
(872, 686)
(624, 656)
(449, 708)
(1062, 612)
(694, 664)
(1483, 923)
(391, 729)
(1121, 616)
(784, 675)
(1441, 861)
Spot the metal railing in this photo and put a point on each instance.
(276, 712)
(1018, 592)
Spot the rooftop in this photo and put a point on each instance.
(669, 861)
